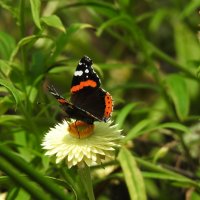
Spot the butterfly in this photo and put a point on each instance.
(88, 102)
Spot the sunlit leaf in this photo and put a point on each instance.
(186, 44)
(53, 21)
(191, 8)
(5, 67)
(135, 131)
(11, 89)
(178, 92)
(22, 42)
(143, 128)
(124, 113)
(7, 44)
(132, 174)
(124, 3)
(35, 9)
(64, 38)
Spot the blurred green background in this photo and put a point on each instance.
(147, 54)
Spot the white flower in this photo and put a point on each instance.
(80, 143)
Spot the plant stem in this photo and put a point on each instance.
(85, 176)
(23, 32)
(157, 52)
(22, 180)
(21, 165)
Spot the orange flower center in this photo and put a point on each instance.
(80, 129)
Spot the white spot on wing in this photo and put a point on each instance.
(80, 63)
(78, 73)
(87, 71)
(87, 76)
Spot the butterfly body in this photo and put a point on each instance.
(88, 102)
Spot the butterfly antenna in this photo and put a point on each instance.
(53, 91)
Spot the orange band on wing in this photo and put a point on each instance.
(109, 105)
(83, 84)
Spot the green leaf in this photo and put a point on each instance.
(21, 43)
(101, 7)
(22, 194)
(10, 119)
(132, 174)
(34, 175)
(163, 176)
(186, 44)
(5, 67)
(76, 27)
(174, 125)
(85, 176)
(12, 89)
(124, 3)
(178, 92)
(64, 38)
(198, 72)
(157, 19)
(162, 173)
(23, 181)
(53, 21)
(124, 113)
(135, 131)
(161, 153)
(191, 8)
(121, 20)
(7, 44)
(35, 9)
(141, 129)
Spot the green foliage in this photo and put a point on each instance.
(148, 56)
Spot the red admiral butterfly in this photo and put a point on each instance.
(88, 102)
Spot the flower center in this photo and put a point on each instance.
(80, 129)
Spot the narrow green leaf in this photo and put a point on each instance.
(85, 176)
(198, 72)
(161, 153)
(5, 67)
(29, 186)
(132, 174)
(140, 126)
(162, 176)
(157, 19)
(124, 3)
(124, 113)
(20, 164)
(22, 194)
(12, 89)
(21, 43)
(178, 92)
(53, 21)
(174, 125)
(35, 9)
(102, 7)
(141, 129)
(164, 172)
(191, 8)
(7, 44)
(121, 20)
(186, 44)
(76, 27)
(10, 119)
(64, 38)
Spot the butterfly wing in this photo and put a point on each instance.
(86, 93)
(85, 76)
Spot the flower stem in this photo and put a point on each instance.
(85, 176)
